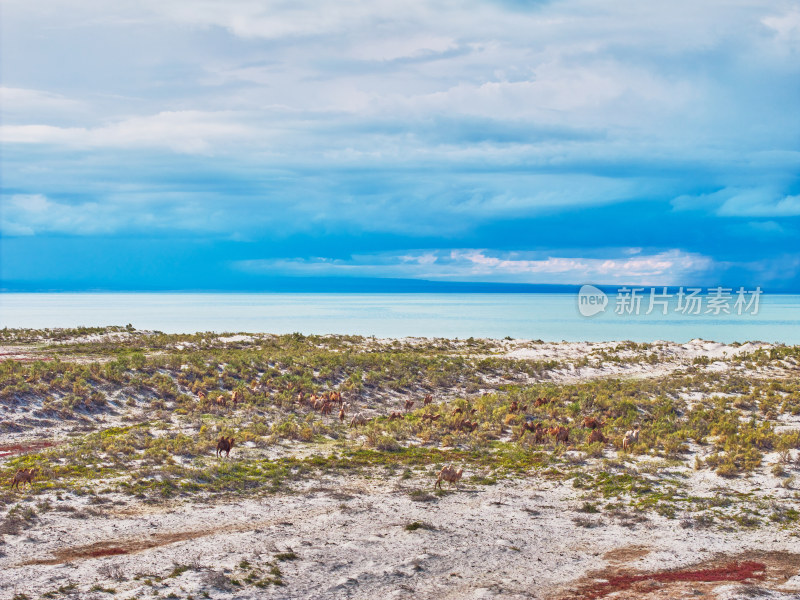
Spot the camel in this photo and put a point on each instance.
(561, 434)
(23, 476)
(224, 445)
(450, 475)
(326, 407)
(341, 413)
(538, 434)
(431, 417)
(631, 436)
(468, 425)
(540, 402)
(222, 401)
(597, 436)
(358, 419)
(395, 416)
(514, 407)
(409, 405)
(457, 411)
(237, 396)
(592, 423)
(427, 400)
(201, 395)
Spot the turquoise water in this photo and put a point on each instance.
(549, 317)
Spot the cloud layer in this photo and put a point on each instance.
(565, 131)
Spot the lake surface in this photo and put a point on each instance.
(549, 317)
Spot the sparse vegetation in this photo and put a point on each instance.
(170, 398)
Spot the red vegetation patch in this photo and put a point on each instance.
(129, 545)
(103, 552)
(737, 571)
(12, 449)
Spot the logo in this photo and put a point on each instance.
(591, 300)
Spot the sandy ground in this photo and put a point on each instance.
(517, 539)
(349, 537)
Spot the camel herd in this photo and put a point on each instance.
(324, 403)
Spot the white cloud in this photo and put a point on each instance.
(786, 27)
(669, 267)
(422, 119)
(29, 214)
(191, 132)
(34, 214)
(743, 202)
(760, 203)
(18, 100)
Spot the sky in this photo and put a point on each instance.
(259, 145)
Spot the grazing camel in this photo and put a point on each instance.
(23, 476)
(326, 407)
(395, 416)
(561, 434)
(631, 436)
(540, 402)
(431, 417)
(224, 445)
(450, 475)
(358, 419)
(538, 434)
(341, 413)
(469, 425)
(409, 405)
(592, 423)
(597, 436)
(531, 426)
(457, 411)
(427, 400)
(222, 401)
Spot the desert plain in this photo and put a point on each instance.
(322, 497)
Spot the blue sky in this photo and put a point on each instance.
(242, 144)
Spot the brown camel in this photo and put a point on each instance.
(224, 445)
(450, 475)
(23, 476)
